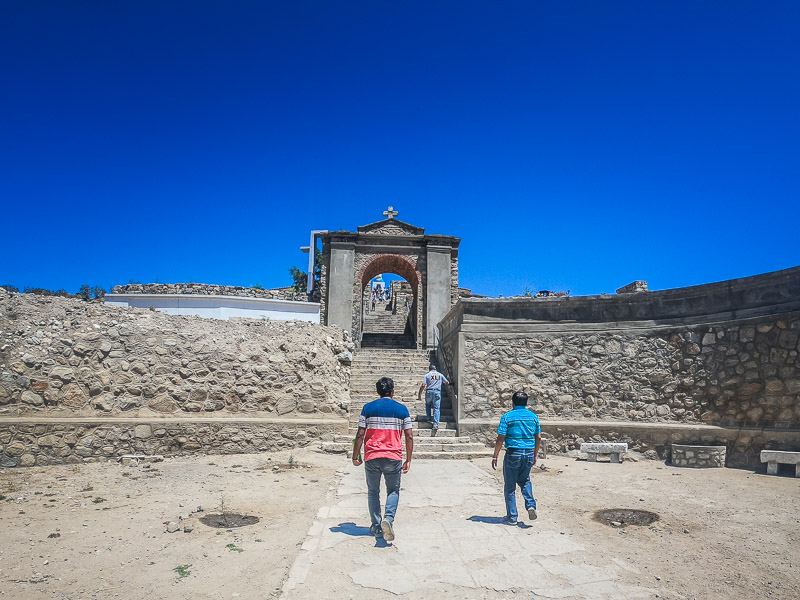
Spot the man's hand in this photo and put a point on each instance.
(534, 460)
(494, 463)
(406, 466)
(357, 461)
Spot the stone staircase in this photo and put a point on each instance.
(386, 329)
(407, 368)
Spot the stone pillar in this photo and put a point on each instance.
(340, 285)
(437, 294)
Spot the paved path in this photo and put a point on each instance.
(450, 544)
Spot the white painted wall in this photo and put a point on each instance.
(220, 307)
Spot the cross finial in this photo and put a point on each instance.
(390, 214)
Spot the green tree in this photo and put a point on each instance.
(300, 278)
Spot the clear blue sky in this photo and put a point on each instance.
(571, 145)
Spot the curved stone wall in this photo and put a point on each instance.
(724, 354)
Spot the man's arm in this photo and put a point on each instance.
(359, 441)
(538, 438)
(497, 445)
(409, 449)
(419, 393)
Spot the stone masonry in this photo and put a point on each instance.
(113, 369)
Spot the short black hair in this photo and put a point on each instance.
(385, 387)
(520, 398)
(433, 367)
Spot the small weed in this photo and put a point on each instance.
(234, 548)
(183, 570)
(291, 461)
(219, 533)
(259, 540)
(98, 500)
(2, 497)
(236, 466)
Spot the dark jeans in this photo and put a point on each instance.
(391, 470)
(517, 472)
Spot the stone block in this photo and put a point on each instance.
(143, 432)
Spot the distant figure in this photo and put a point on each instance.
(379, 429)
(374, 299)
(519, 429)
(432, 384)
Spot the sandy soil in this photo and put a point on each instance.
(722, 533)
(99, 530)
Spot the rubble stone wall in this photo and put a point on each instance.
(206, 289)
(27, 444)
(721, 355)
(65, 361)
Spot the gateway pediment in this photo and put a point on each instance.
(391, 227)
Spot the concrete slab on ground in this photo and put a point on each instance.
(450, 543)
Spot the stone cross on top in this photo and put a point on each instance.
(390, 214)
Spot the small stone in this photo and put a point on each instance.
(188, 528)
(172, 527)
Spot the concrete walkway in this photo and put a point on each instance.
(450, 544)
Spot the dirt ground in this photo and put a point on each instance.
(100, 530)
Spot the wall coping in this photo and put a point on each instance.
(110, 420)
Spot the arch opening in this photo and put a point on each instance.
(390, 306)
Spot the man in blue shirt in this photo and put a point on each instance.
(519, 429)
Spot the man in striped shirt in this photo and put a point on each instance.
(379, 428)
(519, 429)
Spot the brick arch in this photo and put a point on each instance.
(391, 263)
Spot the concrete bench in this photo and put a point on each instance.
(774, 457)
(612, 448)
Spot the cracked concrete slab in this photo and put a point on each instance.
(450, 544)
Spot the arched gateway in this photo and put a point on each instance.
(428, 263)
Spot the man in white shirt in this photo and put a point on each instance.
(432, 384)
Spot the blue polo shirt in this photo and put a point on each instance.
(519, 425)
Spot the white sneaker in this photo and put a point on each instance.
(388, 530)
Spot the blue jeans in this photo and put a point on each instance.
(391, 470)
(433, 400)
(517, 472)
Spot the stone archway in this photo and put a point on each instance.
(429, 263)
(397, 264)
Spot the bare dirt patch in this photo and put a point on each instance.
(619, 517)
(57, 540)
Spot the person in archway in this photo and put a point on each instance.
(379, 428)
(432, 384)
(521, 433)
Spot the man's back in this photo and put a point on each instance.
(519, 426)
(384, 420)
(433, 380)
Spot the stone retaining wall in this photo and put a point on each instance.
(698, 456)
(63, 359)
(48, 443)
(725, 354)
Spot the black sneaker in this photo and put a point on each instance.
(507, 521)
(376, 531)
